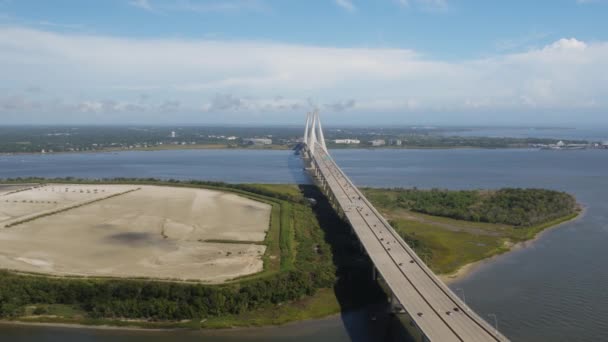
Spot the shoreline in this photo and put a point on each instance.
(194, 147)
(110, 327)
(469, 269)
(84, 326)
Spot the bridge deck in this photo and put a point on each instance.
(436, 310)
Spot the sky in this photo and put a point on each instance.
(380, 62)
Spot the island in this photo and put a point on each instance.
(452, 229)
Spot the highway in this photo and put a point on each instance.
(435, 310)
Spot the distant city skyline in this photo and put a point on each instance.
(385, 62)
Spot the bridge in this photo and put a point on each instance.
(435, 312)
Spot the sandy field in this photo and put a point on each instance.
(132, 231)
(6, 188)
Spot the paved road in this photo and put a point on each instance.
(436, 310)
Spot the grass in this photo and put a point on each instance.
(285, 189)
(450, 250)
(54, 310)
(286, 237)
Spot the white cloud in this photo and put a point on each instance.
(567, 44)
(93, 74)
(346, 4)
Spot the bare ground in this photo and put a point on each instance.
(156, 232)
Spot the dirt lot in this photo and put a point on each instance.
(132, 231)
(6, 188)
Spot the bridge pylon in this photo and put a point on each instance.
(313, 132)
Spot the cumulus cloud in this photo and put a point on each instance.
(567, 44)
(245, 76)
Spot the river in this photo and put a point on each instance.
(552, 290)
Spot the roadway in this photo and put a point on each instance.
(438, 313)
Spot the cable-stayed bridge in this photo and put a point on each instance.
(432, 308)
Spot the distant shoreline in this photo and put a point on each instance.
(264, 148)
(153, 149)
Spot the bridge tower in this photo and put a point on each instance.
(313, 132)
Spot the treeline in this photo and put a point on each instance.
(312, 269)
(517, 207)
(150, 299)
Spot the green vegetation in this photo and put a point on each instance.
(469, 225)
(517, 207)
(309, 264)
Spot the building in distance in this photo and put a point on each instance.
(257, 141)
(347, 141)
(378, 142)
(395, 142)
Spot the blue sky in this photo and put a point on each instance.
(263, 61)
